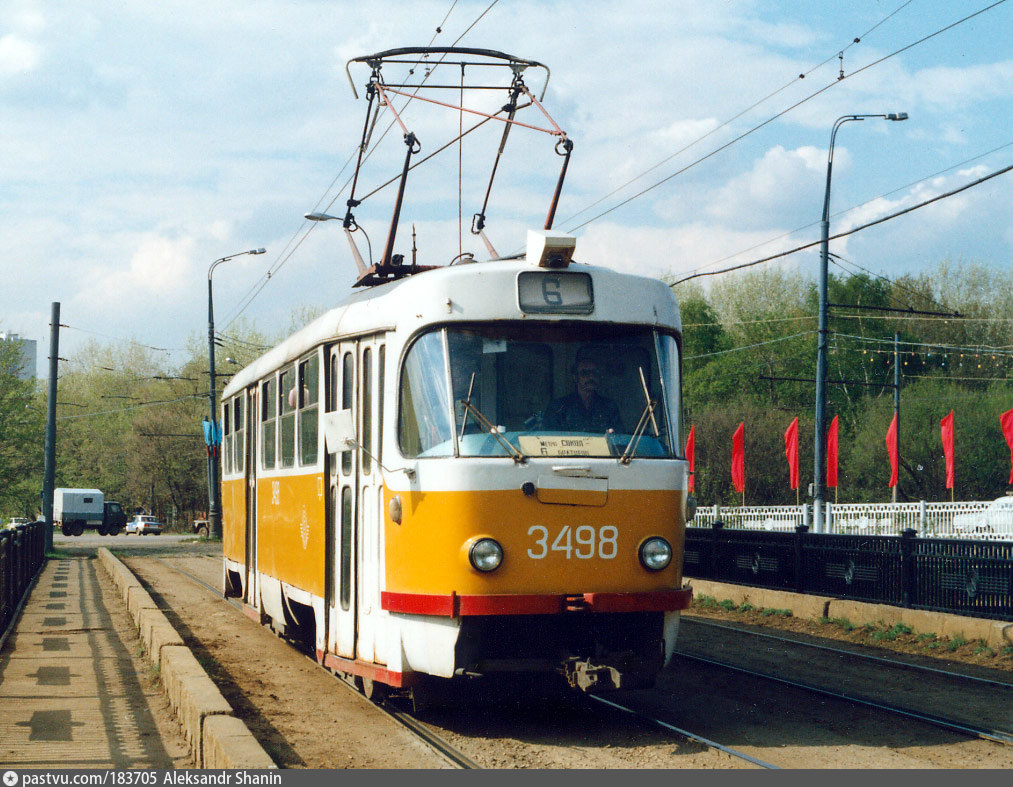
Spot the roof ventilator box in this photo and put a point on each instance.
(549, 249)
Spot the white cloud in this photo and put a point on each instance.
(17, 55)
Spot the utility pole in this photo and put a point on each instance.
(896, 403)
(49, 472)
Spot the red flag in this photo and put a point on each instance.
(891, 448)
(946, 427)
(832, 454)
(739, 458)
(1006, 421)
(691, 454)
(791, 452)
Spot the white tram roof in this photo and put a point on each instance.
(465, 292)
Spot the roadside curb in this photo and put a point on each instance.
(994, 633)
(216, 736)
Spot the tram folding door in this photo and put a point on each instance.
(252, 422)
(369, 504)
(341, 508)
(355, 487)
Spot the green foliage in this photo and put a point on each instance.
(956, 642)
(745, 329)
(22, 438)
(129, 422)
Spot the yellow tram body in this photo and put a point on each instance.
(397, 494)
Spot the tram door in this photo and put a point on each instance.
(252, 422)
(342, 369)
(369, 503)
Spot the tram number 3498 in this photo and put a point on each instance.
(582, 542)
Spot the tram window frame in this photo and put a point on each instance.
(238, 432)
(286, 416)
(409, 441)
(347, 400)
(268, 423)
(226, 447)
(381, 377)
(366, 409)
(309, 410)
(347, 520)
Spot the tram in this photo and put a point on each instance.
(467, 470)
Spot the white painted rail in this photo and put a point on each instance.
(970, 520)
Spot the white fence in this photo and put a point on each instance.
(933, 520)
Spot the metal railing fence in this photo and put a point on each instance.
(943, 575)
(22, 552)
(931, 520)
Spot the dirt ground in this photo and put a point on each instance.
(307, 719)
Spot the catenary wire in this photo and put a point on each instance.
(853, 230)
(284, 257)
(732, 119)
(781, 114)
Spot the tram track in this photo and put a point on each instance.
(452, 755)
(1001, 736)
(593, 733)
(442, 747)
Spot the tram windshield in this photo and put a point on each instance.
(537, 389)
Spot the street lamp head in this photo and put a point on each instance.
(319, 217)
(896, 116)
(262, 250)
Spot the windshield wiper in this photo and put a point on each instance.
(486, 424)
(646, 417)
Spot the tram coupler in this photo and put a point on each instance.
(587, 677)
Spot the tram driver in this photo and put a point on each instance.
(587, 409)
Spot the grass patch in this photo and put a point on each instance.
(705, 602)
(956, 643)
(1008, 651)
(746, 607)
(927, 637)
(727, 605)
(984, 650)
(781, 613)
(891, 633)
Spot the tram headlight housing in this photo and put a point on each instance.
(655, 553)
(485, 555)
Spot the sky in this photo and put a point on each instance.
(140, 142)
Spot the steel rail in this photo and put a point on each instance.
(442, 747)
(996, 736)
(685, 733)
(853, 653)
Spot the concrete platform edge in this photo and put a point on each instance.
(218, 738)
(994, 633)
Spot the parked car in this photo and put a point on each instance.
(201, 527)
(18, 520)
(996, 519)
(143, 524)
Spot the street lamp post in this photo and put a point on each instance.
(820, 460)
(214, 487)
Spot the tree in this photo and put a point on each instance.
(22, 437)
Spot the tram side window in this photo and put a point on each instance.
(367, 410)
(424, 427)
(345, 590)
(286, 419)
(268, 411)
(227, 438)
(381, 366)
(238, 433)
(347, 392)
(309, 387)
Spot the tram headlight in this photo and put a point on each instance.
(485, 554)
(655, 553)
